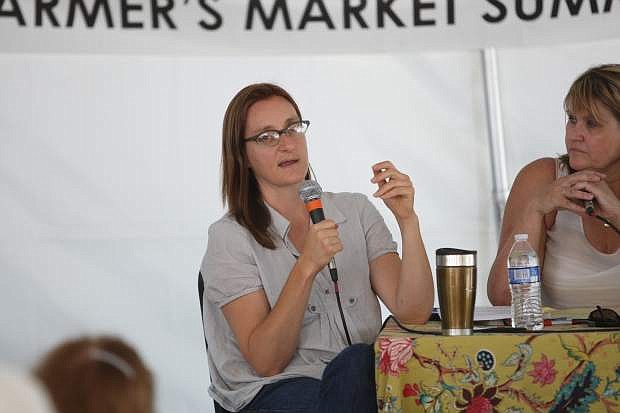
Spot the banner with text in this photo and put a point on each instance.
(252, 27)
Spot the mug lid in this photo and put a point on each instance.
(454, 257)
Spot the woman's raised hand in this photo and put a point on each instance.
(394, 188)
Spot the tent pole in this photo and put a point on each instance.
(495, 129)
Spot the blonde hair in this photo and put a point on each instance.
(599, 85)
(97, 375)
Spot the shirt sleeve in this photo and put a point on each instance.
(379, 239)
(229, 267)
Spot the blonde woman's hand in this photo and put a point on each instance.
(606, 204)
(394, 188)
(566, 193)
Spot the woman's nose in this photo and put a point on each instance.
(577, 132)
(286, 141)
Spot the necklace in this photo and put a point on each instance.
(607, 224)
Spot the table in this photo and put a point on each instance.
(563, 368)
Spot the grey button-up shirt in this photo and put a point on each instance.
(235, 265)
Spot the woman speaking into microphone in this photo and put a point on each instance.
(278, 336)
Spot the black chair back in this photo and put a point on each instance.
(201, 289)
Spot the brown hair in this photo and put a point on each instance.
(97, 375)
(599, 85)
(240, 191)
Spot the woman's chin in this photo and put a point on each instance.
(577, 163)
(293, 178)
(295, 173)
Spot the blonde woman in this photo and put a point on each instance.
(578, 251)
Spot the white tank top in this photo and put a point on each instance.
(575, 274)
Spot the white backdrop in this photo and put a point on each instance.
(109, 176)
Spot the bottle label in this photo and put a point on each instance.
(523, 275)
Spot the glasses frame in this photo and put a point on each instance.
(601, 317)
(305, 123)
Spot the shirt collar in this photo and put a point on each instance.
(281, 224)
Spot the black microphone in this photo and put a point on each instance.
(310, 192)
(589, 205)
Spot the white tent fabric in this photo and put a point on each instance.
(109, 176)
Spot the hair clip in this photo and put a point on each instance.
(112, 360)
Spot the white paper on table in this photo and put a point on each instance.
(498, 312)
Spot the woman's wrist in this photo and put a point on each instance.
(306, 268)
(412, 221)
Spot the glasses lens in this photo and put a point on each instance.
(297, 128)
(269, 138)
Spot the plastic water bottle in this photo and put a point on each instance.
(524, 278)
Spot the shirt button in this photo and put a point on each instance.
(313, 308)
(326, 291)
(351, 300)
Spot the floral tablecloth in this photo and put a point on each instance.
(556, 371)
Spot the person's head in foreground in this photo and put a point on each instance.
(97, 375)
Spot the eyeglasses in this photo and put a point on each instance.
(272, 137)
(601, 317)
(604, 317)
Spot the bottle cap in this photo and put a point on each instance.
(520, 237)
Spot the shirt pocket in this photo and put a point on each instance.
(362, 308)
(314, 328)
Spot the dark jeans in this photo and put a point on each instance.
(347, 385)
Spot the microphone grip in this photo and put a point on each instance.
(317, 215)
(589, 205)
